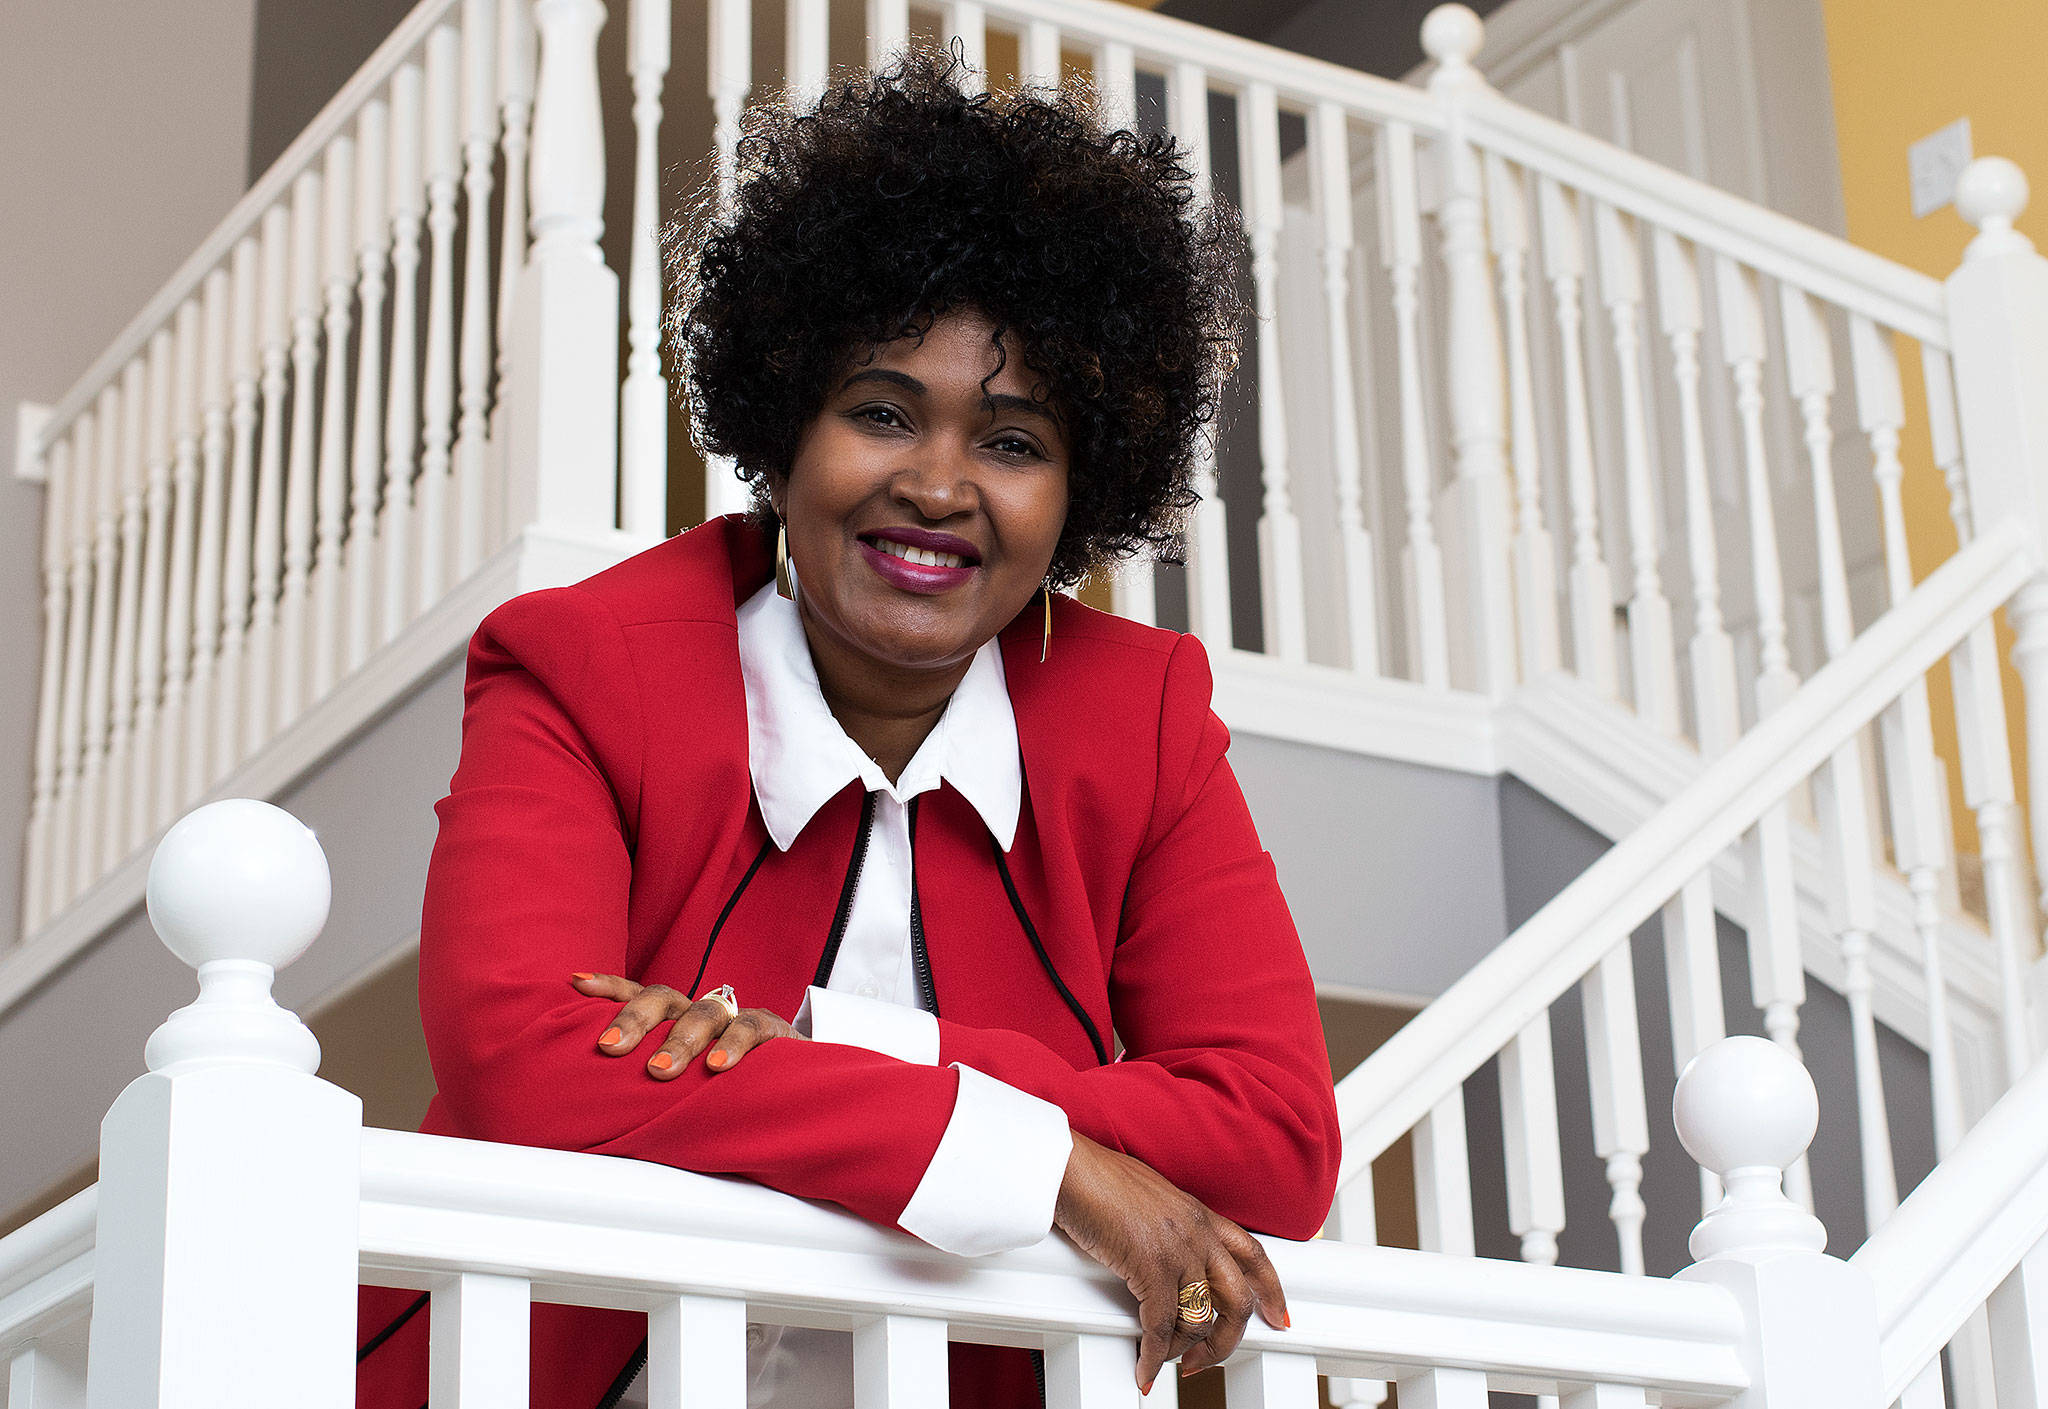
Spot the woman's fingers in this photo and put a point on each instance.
(1258, 1269)
(656, 1003)
(1233, 1298)
(704, 1023)
(1161, 1335)
(742, 1035)
(604, 986)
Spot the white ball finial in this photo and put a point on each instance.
(239, 879)
(1991, 190)
(1746, 1109)
(1452, 35)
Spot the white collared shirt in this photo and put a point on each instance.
(992, 1181)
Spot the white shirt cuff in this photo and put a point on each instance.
(908, 1034)
(995, 1177)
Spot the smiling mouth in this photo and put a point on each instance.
(923, 557)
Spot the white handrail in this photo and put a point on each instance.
(46, 1269)
(1449, 1040)
(1961, 1232)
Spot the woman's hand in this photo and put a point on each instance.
(698, 1025)
(1130, 1219)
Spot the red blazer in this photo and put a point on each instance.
(602, 816)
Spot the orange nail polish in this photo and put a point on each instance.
(582, 976)
(662, 1061)
(1145, 1388)
(611, 1035)
(1286, 1322)
(718, 1061)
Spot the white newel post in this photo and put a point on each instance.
(1477, 396)
(225, 1262)
(1746, 1110)
(1998, 318)
(564, 391)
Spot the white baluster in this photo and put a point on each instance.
(1745, 1109)
(437, 391)
(1919, 812)
(1091, 1372)
(2019, 1330)
(178, 601)
(1605, 1397)
(366, 445)
(1208, 551)
(80, 471)
(56, 468)
(1947, 440)
(1692, 977)
(479, 1352)
(1038, 52)
(1443, 1179)
(401, 416)
(731, 73)
(807, 34)
(479, 149)
(888, 29)
(1621, 1122)
(224, 1257)
(899, 1362)
(562, 434)
(49, 1371)
(200, 721)
(1590, 587)
(1839, 787)
(1421, 558)
(643, 402)
(127, 612)
(1653, 664)
(1535, 561)
(515, 99)
(1443, 1388)
(294, 601)
(1330, 196)
(698, 1344)
(1271, 1380)
(1452, 36)
(1133, 591)
(1353, 1219)
(243, 600)
(1535, 1166)
(338, 265)
(149, 634)
(99, 441)
(1281, 590)
(966, 22)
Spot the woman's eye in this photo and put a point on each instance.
(867, 412)
(1014, 445)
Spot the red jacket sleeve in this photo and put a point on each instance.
(1224, 1083)
(529, 882)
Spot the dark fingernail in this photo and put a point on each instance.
(611, 1036)
(718, 1061)
(662, 1061)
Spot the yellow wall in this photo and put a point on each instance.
(1901, 69)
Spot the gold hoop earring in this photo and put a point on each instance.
(785, 580)
(1045, 646)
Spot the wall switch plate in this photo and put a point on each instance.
(1936, 160)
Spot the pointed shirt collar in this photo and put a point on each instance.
(801, 758)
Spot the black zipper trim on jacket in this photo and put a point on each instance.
(1031, 933)
(617, 1392)
(920, 957)
(839, 918)
(391, 1330)
(767, 845)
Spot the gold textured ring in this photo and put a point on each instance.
(723, 997)
(1197, 1310)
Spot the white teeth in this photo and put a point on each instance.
(925, 557)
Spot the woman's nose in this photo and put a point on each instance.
(937, 482)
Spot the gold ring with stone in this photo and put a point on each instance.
(723, 997)
(1197, 1309)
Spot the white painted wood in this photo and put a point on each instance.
(100, 440)
(338, 273)
(697, 1353)
(185, 414)
(1330, 197)
(1443, 1389)
(1207, 542)
(1535, 561)
(2019, 1330)
(1421, 556)
(643, 401)
(196, 752)
(1614, 1071)
(730, 74)
(1604, 1397)
(965, 22)
(888, 30)
(149, 638)
(1443, 1178)
(56, 475)
(80, 473)
(516, 58)
(260, 686)
(1534, 1161)
(1353, 1219)
(237, 572)
(807, 29)
(49, 1371)
(401, 420)
(479, 150)
(1271, 1380)
(1589, 585)
(441, 116)
(1038, 53)
(127, 610)
(294, 603)
(1093, 1372)
(477, 1350)
(899, 1362)
(1281, 590)
(366, 441)
(1132, 590)
(1692, 976)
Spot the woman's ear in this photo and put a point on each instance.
(778, 492)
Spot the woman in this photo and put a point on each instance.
(951, 838)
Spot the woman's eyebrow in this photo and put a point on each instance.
(997, 401)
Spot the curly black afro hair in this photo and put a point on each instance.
(900, 198)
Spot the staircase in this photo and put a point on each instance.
(1489, 349)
